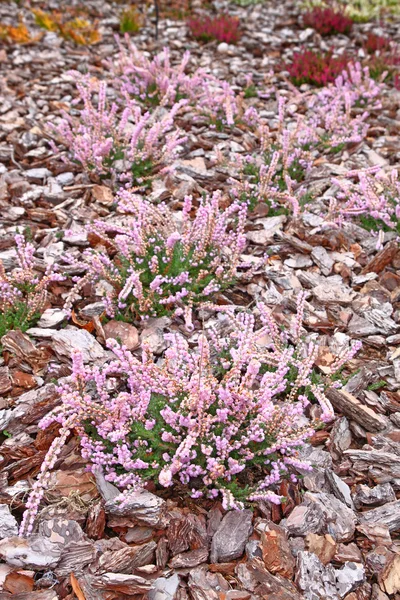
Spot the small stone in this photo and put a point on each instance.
(270, 225)
(153, 334)
(334, 293)
(65, 178)
(231, 536)
(315, 580)
(223, 48)
(53, 191)
(349, 578)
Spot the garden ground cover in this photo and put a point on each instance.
(199, 304)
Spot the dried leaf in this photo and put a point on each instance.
(77, 588)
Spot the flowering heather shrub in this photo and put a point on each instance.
(375, 43)
(316, 68)
(327, 21)
(155, 82)
(205, 418)
(77, 30)
(330, 122)
(356, 86)
(222, 28)
(269, 175)
(128, 146)
(373, 199)
(23, 293)
(158, 83)
(157, 269)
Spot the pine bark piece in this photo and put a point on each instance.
(382, 467)
(206, 586)
(388, 514)
(144, 507)
(273, 587)
(126, 559)
(36, 552)
(382, 259)
(124, 584)
(322, 513)
(96, 521)
(276, 551)
(352, 408)
(75, 557)
(190, 559)
(231, 536)
(8, 523)
(389, 578)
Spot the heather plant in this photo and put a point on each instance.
(157, 269)
(226, 418)
(126, 147)
(316, 68)
(18, 34)
(130, 20)
(359, 11)
(327, 21)
(223, 28)
(271, 174)
(156, 81)
(23, 293)
(376, 43)
(373, 199)
(78, 29)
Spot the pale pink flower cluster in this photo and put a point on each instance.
(158, 268)
(23, 285)
(370, 192)
(124, 143)
(202, 416)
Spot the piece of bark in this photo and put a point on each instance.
(96, 521)
(36, 552)
(231, 536)
(126, 559)
(190, 559)
(389, 578)
(388, 515)
(124, 584)
(382, 467)
(353, 409)
(382, 259)
(273, 587)
(276, 551)
(144, 507)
